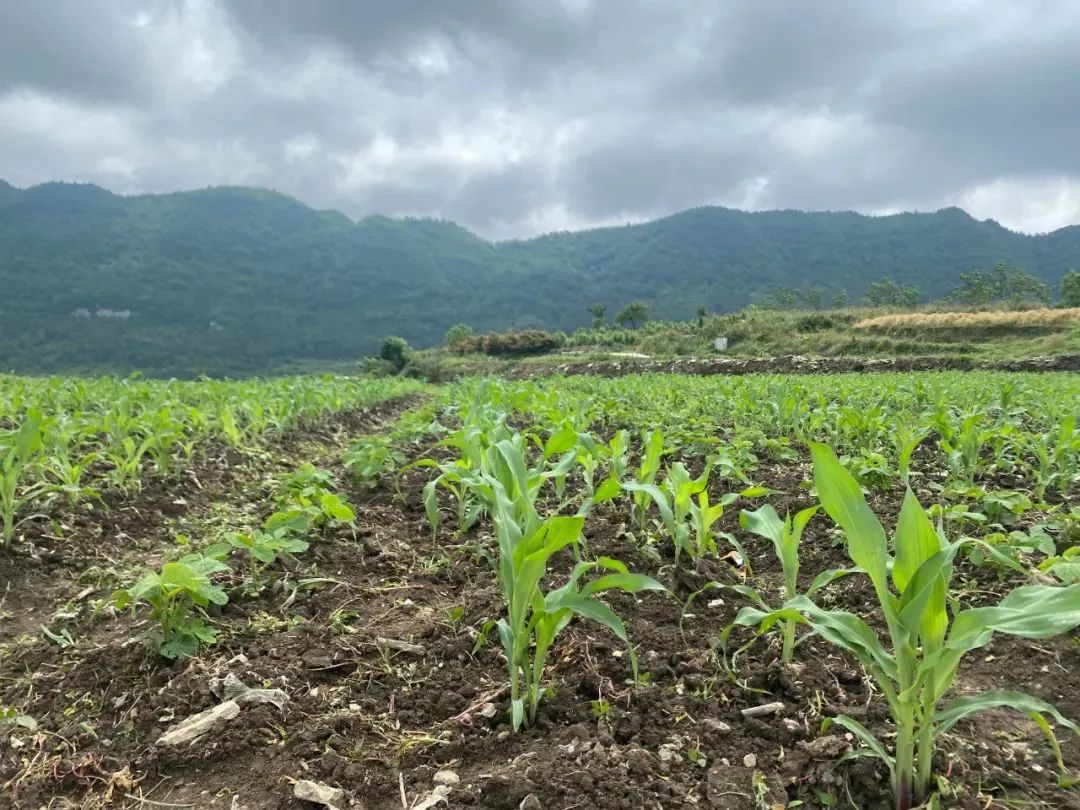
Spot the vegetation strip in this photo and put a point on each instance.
(631, 543)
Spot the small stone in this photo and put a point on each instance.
(232, 688)
(750, 761)
(763, 710)
(446, 777)
(827, 747)
(437, 796)
(502, 736)
(639, 760)
(318, 793)
(670, 752)
(198, 724)
(717, 726)
(401, 646)
(530, 802)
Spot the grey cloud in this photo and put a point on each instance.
(86, 50)
(498, 114)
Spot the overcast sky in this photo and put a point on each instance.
(515, 117)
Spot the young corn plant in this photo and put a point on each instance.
(589, 458)
(906, 440)
(457, 478)
(534, 619)
(16, 494)
(618, 454)
(674, 501)
(703, 515)
(177, 595)
(164, 435)
(126, 458)
(917, 667)
(69, 473)
(1057, 458)
(460, 477)
(652, 452)
(962, 444)
(785, 536)
(567, 444)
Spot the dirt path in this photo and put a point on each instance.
(795, 364)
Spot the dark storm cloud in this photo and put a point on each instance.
(522, 115)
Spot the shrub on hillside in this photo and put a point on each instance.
(509, 344)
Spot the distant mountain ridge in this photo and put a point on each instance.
(240, 280)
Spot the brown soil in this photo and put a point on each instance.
(381, 722)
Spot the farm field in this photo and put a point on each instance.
(764, 591)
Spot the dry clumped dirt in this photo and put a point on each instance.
(392, 698)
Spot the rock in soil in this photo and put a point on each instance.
(318, 793)
(762, 711)
(232, 688)
(198, 724)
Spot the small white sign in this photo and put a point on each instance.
(720, 344)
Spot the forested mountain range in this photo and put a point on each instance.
(240, 280)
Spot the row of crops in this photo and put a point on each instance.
(70, 440)
(627, 443)
(920, 480)
(973, 430)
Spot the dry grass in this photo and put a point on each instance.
(1031, 319)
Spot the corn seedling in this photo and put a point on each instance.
(1057, 458)
(674, 501)
(534, 619)
(618, 453)
(703, 515)
(70, 476)
(126, 459)
(652, 450)
(785, 536)
(919, 666)
(20, 454)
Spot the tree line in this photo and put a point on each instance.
(1005, 284)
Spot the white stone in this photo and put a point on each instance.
(198, 724)
(318, 793)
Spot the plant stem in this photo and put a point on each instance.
(905, 763)
(926, 749)
(789, 641)
(514, 689)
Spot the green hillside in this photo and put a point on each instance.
(237, 280)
